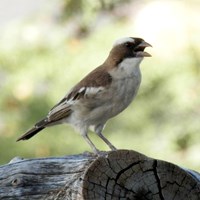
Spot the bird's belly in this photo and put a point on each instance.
(124, 93)
(120, 96)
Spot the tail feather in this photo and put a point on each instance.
(30, 133)
(33, 131)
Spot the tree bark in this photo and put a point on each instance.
(121, 174)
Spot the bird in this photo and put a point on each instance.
(102, 94)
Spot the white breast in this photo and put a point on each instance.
(129, 67)
(126, 82)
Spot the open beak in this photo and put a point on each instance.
(139, 50)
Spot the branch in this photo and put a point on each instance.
(122, 174)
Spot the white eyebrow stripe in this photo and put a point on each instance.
(123, 40)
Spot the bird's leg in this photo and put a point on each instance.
(98, 130)
(87, 139)
(106, 141)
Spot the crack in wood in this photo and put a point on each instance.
(125, 169)
(157, 180)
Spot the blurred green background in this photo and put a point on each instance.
(47, 46)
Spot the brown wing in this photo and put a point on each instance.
(98, 78)
(92, 84)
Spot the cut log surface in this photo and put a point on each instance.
(121, 174)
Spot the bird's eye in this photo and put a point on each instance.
(128, 44)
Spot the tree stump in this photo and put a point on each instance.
(121, 174)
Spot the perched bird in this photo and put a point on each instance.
(102, 94)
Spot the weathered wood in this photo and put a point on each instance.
(121, 174)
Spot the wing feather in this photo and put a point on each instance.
(90, 88)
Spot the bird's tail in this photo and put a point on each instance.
(33, 131)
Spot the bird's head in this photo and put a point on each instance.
(128, 47)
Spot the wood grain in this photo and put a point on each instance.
(121, 174)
